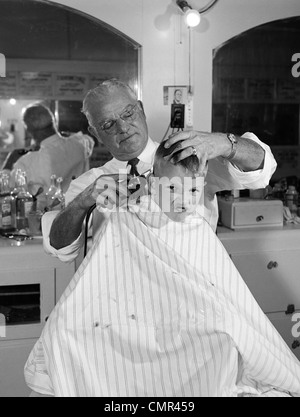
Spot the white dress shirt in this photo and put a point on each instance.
(64, 157)
(222, 175)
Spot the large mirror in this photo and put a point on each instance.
(55, 55)
(257, 90)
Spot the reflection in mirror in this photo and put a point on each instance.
(255, 89)
(54, 55)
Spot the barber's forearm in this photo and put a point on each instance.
(67, 226)
(249, 156)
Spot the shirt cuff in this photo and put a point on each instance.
(254, 179)
(66, 254)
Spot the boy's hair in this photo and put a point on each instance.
(191, 163)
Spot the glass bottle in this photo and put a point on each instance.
(291, 199)
(24, 203)
(51, 190)
(7, 206)
(277, 192)
(58, 198)
(16, 184)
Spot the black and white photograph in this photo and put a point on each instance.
(149, 201)
(175, 95)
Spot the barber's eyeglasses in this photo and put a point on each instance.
(110, 127)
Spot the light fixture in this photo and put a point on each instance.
(12, 101)
(191, 16)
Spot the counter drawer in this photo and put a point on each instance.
(286, 327)
(245, 213)
(272, 277)
(257, 215)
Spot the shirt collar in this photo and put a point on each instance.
(47, 141)
(147, 156)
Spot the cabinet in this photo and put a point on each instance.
(31, 283)
(13, 356)
(272, 276)
(269, 263)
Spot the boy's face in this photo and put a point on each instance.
(176, 190)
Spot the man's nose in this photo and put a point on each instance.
(122, 126)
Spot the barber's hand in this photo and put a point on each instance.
(111, 191)
(205, 145)
(108, 191)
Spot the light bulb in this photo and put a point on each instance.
(13, 101)
(192, 18)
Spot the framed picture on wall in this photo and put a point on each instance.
(175, 94)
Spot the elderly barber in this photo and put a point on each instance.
(118, 120)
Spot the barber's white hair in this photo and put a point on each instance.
(100, 95)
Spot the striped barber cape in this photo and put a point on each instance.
(158, 309)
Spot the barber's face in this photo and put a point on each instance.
(121, 126)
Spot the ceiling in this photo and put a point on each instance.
(31, 29)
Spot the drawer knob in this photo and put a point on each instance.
(259, 218)
(272, 265)
(290, 309)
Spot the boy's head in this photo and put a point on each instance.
(177, 188)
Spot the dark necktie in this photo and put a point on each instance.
(133, 170)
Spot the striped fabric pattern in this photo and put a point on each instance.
(158, 309)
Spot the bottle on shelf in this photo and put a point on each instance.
(235, 193)
(16, 184)
(51, 190)
(24, 203)
(277, 192)
(57, 201)
(291, 199)
(12, 128)
(7, 206)
(59, 195)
